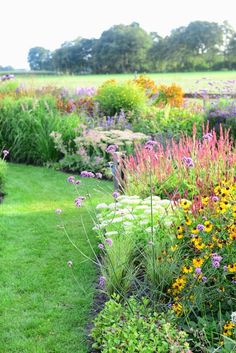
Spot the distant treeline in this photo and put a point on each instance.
(200, 46)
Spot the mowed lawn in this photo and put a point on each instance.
(186, 79)
(45, 305)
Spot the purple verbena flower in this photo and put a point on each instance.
(78, 201)
(5, 153)
(188, 162)
(84, 174)
(58, 211)
(215, 264)
(216, 257)
(87, 174)
(215, 198)
(200, 227)
(198, 270)
(149, 145)
(111, 148)
(204, 278)
(109, 241)
(100, 246)
(77, 182)
(102, 281)
(98, 175)
(71, 179)
(115, 194)
(208, 136)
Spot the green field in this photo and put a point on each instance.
(45, 305)
(186, 79)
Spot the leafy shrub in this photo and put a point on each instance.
(169, 122)
(114, 97)
(172, 95)
(87, 151)
(26, 124)
(134, 327)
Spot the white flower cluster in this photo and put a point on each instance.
(130, 212)
(233, 317)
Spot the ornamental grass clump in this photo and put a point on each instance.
(190, 166)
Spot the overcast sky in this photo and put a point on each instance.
(48, 23)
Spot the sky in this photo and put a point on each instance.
(48, 23)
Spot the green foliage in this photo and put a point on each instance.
(40, 58)
(169, 122)
(8, 87)
(26, 124)
(133, 327)
(122, 48)
(114, 97)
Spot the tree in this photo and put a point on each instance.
(40, 58)
(122, 49)
(75, 56)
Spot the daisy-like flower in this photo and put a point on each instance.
(187, 269)
(197, 262)
(208, 226)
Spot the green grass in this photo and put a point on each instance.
(185, 79)
(44, 304)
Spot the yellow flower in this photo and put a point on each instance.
(208, 226)
(195, 230)
(179, 236)
(188, 221)
(185, 204)
(173, 247)
(187, 269)
(221, 208)
(199, 245)
(180, 229)
(197, 262)
(232, 236)
(232, 267)
(205, 200)
(229, 325)
(217, 190)
(220, 243)
(178, 308)
(227, 333)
